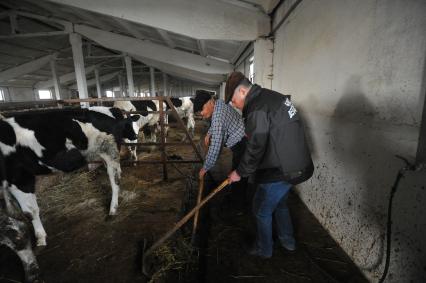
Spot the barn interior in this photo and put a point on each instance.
(356, 70)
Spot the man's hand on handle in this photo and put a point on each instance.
(234, 177)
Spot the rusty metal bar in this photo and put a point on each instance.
(150, 161)
(163, 139)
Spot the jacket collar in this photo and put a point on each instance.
(253, 93)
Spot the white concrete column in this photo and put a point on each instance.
(121, 85)
(263, 66)
(80, 72)
(55, 79)
(129, 72)
(98, 83)
(152, 81)
(222, 91)
(164, 84)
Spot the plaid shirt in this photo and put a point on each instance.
(227, 128)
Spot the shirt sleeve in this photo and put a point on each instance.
(257, 129)
(216, 141)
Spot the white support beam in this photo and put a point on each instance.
(130, 28)
(34, 34)
(135, 47)
(64, 79)
(201, 19)
(91, 18)
(55, 79)
(152, 81)
(13, 23)
(98, 83)
(102, 79)
(263, 60)
(80, 72)
(129, 73)
(165, 84)
(241, 48)
(121, 84)
(202, 47)
(165, 36)
(67, 26)
(25, 68)
(209, 79)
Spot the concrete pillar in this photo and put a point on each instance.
(129, 72)
(55, 79)
(222, 91)
(121, 85)
(98, 83)
(263, 66)
(80, 73)
(152, 81)
(164, 84)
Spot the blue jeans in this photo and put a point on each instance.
(271, 198)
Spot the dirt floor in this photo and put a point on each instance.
(84, 245)
(231, 231)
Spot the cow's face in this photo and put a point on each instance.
(132, 127)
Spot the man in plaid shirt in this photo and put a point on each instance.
(227, 129)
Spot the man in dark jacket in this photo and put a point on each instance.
(276, 154)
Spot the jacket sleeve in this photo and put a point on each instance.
(216, 141)
(257, 131)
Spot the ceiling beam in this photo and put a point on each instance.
(202, 47)
(34, 34)
(154, 51)
(130, 28)
(241, 48)
(201, 19)
(25, 68)
(67, 26)
(102, 79)
(67, 78)
(176, 71)
(165, 36)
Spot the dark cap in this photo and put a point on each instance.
(200, 99)
(234, 80)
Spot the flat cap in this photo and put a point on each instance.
(201, 98)
(234, 79)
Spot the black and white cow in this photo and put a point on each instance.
(185, 109)
(183, 105)
(36, 143)
(15, 232)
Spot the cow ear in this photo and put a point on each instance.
(135, 117)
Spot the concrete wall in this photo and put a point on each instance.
(356, 70)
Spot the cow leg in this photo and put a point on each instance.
(114, 174)
(29, 262)
(133, 150)
(191, 124)
(28, 204)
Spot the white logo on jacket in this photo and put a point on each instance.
(292, 111)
